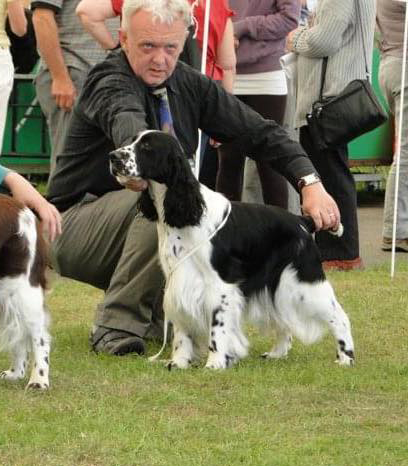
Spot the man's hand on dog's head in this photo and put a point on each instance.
(136, 184)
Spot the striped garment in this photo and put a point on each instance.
(335, 33)
(79, 48)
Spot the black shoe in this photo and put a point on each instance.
(116, 342)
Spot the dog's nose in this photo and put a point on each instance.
(115, 155)
(116, 162)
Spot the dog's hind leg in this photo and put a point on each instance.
(282, 346)
(340, 327)
(182, 351)
(19, 363)
(40, 340)
(324, 306)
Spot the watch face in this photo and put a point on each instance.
(308, 180)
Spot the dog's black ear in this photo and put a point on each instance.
(146, 206)
(183, 204)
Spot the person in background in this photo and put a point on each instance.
(221, 59)
(333, 32)
(260, 30)
(14, 9)
(22, 191)
(94, 14)
(220, 66)
(390, 23)
(104, 241)
(67, 54)
(307, 8)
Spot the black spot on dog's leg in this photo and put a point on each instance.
(215, 320)
(228, 360)
(350, 354)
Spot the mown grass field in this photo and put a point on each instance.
(304, 410)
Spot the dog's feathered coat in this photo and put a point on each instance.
(23, 319)
(262, 264)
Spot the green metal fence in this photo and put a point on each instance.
(26, 146)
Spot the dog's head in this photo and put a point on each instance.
(154, 155)
(159, 157)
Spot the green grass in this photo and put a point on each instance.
(304, 410)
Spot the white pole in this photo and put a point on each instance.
(398, 142)
(206, 29)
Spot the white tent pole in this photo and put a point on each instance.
(398, 142)
(206, 29)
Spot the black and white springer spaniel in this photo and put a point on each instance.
(224, 262)
(23, 318)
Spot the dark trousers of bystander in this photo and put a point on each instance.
(332, 165)
(232, 160)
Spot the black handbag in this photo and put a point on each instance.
(337, 120)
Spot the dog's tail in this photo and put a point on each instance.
(310, 226)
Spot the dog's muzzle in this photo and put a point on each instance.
(122, 164)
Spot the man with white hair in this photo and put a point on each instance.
(105, 242)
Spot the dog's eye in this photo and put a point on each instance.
(145, 146)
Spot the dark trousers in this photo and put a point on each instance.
(106, 243)
(232, 160)
(338, 181)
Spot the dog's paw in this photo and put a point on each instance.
(345, 359)
(218, 361)
(11, 375)
(274, 355)
(180, 363)
(37, 386)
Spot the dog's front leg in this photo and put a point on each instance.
(227, 343)
(182, 351)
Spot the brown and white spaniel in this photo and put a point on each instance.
(23, 317)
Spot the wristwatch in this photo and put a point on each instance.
(308, 180)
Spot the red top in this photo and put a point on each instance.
(117, 6)
(219, 13)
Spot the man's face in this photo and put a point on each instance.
(152, 47)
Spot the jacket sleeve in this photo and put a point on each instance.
(115, 104)
(325, 38)
(273, 26)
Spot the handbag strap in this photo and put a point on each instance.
(325, 59)
(362, 38)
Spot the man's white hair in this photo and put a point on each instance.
(166, 11)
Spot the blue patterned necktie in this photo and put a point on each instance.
(166, 120)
